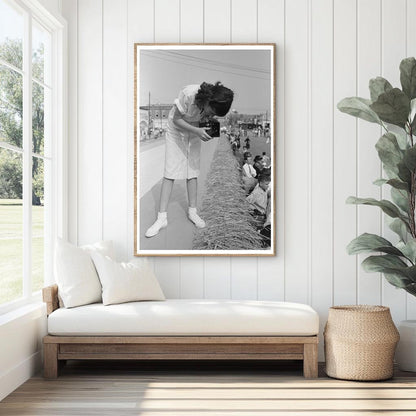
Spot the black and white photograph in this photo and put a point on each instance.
(205, 149)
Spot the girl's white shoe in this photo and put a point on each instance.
(195, 218)
(161, 222)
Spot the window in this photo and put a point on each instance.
(31, 142)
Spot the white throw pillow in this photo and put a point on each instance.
(75, 273)
(126, 282)
(103, 247)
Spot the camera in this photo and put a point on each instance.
(214, 127)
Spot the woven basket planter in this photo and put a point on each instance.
(360, 341)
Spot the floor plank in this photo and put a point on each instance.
(226, 389)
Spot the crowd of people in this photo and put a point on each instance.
(256, 179)
(152, 133)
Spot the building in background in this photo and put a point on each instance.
(153, 120)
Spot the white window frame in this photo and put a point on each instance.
(58, 211)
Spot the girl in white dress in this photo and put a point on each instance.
(183, 144)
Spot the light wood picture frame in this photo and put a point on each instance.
(211, 194)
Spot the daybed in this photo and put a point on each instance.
(181, 329)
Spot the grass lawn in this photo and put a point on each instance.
(11, 249)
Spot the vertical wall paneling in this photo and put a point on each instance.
(167, 16)
(345, 151)
(114, 124)
(296, 152)
(192, 31)
(368, 162)
(217, 283)
(192, 278)
(140, 30)
(321, 148)
(411, 51)
(244, 21)
(70, 11)
(244, 29)
(326, 50)
(244, 278)
(90, 128)
(217, 29)
(192, 21)
(167, 29)
(271, 29)
(217, 21)
(393, 51)
(167, 270)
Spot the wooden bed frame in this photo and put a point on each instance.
(58, 349)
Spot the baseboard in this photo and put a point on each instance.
(10, 380)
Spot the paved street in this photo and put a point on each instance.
(179, 233)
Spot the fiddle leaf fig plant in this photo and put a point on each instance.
(394, 109)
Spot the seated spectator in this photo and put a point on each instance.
(265, 231)
(249, 173)
(246, 153)
(258, 165)
(248, 169)
(259, 197)
(266, 160)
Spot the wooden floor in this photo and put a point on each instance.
(191, 389)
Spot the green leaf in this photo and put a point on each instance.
(410, 272)
(359, 107)
(392, 107)
(397, 280)
(400, 228)
(410, 158)
(395, 183)
(389, 208)
(401, 137)
(366, 243)
(408, 249)
(408, 77)
(378, 86)
(411, 289)
(389, 151)
(380, 182)
(381, 263)
(396, 271)
(398, 184)
(400, 198)
(404, 173)
(390, 173)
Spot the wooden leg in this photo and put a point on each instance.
(310, 360)
(50, 360)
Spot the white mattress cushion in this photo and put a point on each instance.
(187, 317)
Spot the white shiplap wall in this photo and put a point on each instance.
(326, 50)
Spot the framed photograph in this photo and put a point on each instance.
(205, 150)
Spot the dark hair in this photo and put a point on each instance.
(257, 158)
(264, 178)
(216, 95)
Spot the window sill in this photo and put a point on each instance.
(36, 307)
